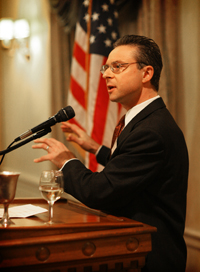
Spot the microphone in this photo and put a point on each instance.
(64, 114)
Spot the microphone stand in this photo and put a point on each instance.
(33, 137)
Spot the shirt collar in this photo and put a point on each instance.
(136, 109)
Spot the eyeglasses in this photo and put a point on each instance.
(116, 67)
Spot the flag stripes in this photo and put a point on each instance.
(88, 93)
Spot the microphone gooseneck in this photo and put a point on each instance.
(62, 115)
(42, 129)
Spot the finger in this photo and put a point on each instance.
(52, 141)
(41, 159)
(65, 127)
(73, 138)
(41, 140)
(66, 124)
(41, 146)
(72, 128)
(38, 146)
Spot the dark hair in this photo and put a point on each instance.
(148, 54)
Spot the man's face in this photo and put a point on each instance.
(124, 87)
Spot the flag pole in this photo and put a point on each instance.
(88, 53)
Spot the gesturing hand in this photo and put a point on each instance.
(80, 137)
(58, 153)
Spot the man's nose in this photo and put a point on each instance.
(107, 73)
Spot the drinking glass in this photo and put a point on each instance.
(51, 186)
(8, 184)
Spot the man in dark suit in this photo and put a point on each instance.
(145, 174)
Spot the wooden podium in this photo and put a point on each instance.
(84, 240)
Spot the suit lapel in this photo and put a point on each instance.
(155, 105)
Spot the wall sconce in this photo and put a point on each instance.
(14, 35)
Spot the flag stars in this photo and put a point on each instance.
(110, 21)
(108, 43)
(102, 25)
(87, 17)
(92, 39)
(116, 14)
(102, 29)
(86, 3)
(105, 7)
(114, 35)
(95, 16)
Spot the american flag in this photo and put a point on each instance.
(95, 34)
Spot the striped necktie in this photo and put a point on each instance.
(118, 130)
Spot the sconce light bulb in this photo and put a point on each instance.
(6, 29)
(21, 29)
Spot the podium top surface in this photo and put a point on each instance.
(70, 218)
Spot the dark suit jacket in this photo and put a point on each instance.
(145, 179)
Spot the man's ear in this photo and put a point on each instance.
(148, 72)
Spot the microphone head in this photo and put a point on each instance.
(65, 114)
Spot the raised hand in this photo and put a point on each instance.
(80, 137)
(58, 153)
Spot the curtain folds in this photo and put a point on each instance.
(158, 19)
(61, 51)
